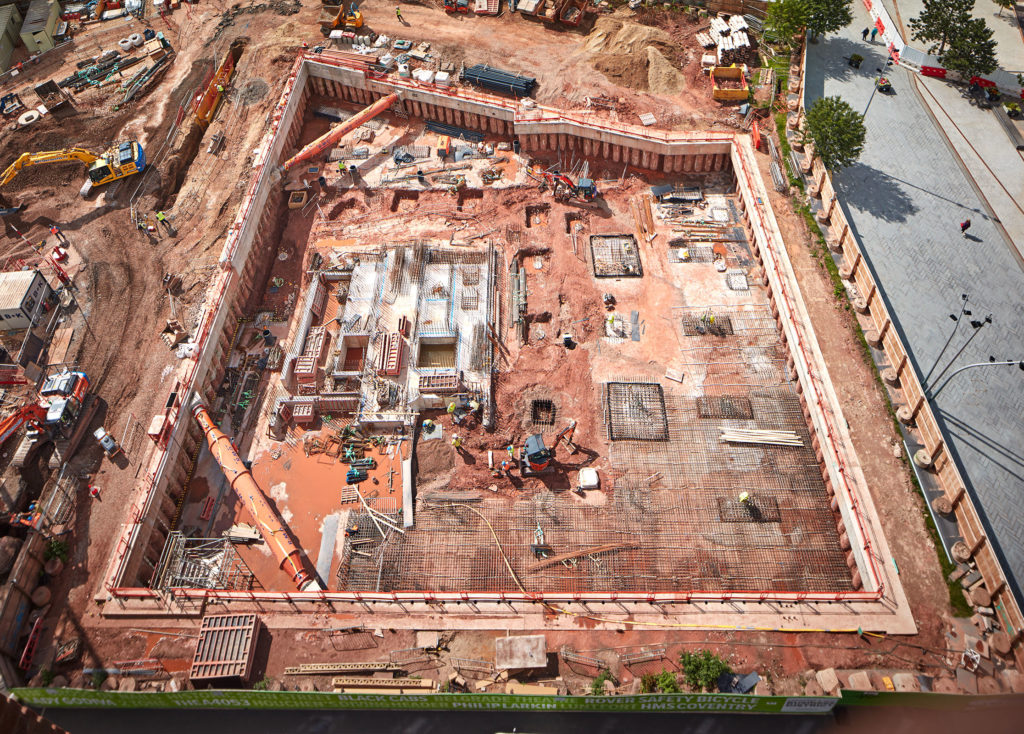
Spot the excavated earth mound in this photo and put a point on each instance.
(634, 56)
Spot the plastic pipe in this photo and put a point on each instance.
(270, 524)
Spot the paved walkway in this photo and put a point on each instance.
(1005, 28)
(904, 199)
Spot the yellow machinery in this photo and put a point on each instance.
(119, 161)
(346, 18)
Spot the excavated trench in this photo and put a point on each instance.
(176, 166)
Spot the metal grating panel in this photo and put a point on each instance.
(227, 643)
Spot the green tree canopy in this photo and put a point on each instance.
(837, 132)
(940, 21)
(827, 16)
(788, 17)
(971, 52)
(1005, 5)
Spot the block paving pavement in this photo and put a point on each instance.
(904, 199)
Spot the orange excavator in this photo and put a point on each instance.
(270, 524)
(537, 457)
(33, 414)
(335, 134)
(62, 397)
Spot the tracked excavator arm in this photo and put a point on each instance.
(50, 156)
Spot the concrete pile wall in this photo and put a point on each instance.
(246, 258)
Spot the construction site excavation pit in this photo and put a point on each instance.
(391, 333)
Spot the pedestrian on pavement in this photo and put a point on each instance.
(55, 231)
(964, 226)
(864, 33)
(398, 14)
(874, 32)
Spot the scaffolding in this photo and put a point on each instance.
(201, 563)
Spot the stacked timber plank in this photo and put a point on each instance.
(760, 436)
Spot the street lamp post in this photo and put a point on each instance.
(991, 363)
(965, 299)
(978, 326)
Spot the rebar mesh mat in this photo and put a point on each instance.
(724, 406)
(615, 256)
(754, 509)
(707, 324)
(635, 410)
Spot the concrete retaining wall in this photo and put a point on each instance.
(245, 257)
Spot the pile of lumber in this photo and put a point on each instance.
(760, 436)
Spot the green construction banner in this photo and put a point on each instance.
(924, 700)
(654, 702)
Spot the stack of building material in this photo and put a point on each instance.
(305, 367)
(730, 40)
(706, 41)
(498, 80)
(719, 27)
(760, 436)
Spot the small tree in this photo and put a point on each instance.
(786, 18)
(940, 21)
(1004, 5)
(972, 51)
(827, 16)
(597, 685)
(667, 682)
(702, 669)
(837, 132)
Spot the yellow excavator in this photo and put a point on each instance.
(119, 161)
(347, 17)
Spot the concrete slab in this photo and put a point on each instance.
(966, 681)
(860, 681)
(828, 680)
(526, 651)
(905, 682)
